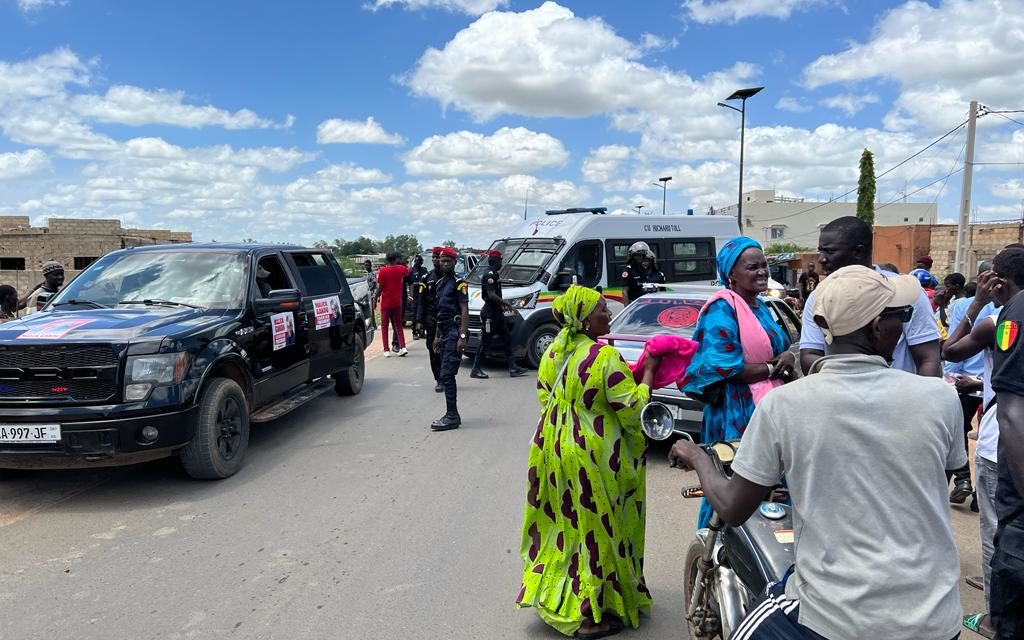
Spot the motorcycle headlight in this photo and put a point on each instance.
(528, 301)
(145, 372)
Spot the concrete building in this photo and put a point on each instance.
(986, 239)
(72, 242)
(769, 217)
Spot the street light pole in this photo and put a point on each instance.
(663, 183)
(742, 95)
(638, 208)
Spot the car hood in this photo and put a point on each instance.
(110, 325)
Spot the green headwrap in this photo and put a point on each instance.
(573, 307)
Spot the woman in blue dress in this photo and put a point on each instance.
(742, 351)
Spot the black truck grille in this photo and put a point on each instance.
(58, 374)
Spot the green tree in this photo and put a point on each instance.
(250, 241)
(450, 244)
(360, 246)
(784, 247)
(866, 189)
(407, 245)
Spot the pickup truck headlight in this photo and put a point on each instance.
(528, 301)
(145, 372)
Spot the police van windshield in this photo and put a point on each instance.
(524, 259)
(192, 278)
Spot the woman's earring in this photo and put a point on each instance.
(586, 326)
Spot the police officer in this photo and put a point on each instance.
(426, 314)
(493, 319)
(452, 332)
(416, 275)
(633, 273)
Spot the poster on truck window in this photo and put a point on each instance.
(284, 329)
(327, 311)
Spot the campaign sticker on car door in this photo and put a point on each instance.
(327, 311)
(53, 330)
(284, 329)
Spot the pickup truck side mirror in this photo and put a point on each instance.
(278, 300)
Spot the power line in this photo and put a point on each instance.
(978, 164)
(945, 177)
(1000, 114)
(880, 175)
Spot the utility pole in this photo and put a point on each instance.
(638, 208)
(963, 230)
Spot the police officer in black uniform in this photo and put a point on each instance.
(493, 319)
(426, 314)
(452, 332)
(416, 275)
(633, 274)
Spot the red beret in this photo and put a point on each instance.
(493, 254)
(437, 251)
(448, 252)
(926, 260)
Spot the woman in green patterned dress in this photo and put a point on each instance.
(583, 532)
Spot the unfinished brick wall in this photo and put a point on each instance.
(986, 241)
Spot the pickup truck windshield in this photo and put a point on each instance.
(524, 260)
(208, 280)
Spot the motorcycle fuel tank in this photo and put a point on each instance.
(761, 550)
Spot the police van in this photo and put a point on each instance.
(543, 256)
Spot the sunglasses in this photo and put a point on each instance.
(904, 313)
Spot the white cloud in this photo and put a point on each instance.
(651, 42)
(849, 103)
(465, 153)
(135, 106)
(30, 6)
(942, 56)
(22, 164)
(713, 11)
(794, 105)
(471, 7)
(603, 163)
(338, 131)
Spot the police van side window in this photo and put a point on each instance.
(690, 259)
(584, 259)
(270, 275)
(618, 257)
(317, 274)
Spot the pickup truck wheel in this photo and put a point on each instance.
(539, 341)
(222, 432)
(349, 381)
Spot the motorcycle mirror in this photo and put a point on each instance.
(724, 451)
(656, 421)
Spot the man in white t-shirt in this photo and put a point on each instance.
(866, 470)
(846, 241)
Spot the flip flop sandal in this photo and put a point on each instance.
(977, 582)
(614, 627)
(973, 623)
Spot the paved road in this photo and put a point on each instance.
(350, 520)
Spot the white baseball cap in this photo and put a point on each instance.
(853, 296)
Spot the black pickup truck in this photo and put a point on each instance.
(175, 350)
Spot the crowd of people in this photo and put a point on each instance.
(862, 423)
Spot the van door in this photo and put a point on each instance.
(330, 311)
(585, 261)
(280, 356)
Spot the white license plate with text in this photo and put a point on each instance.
(13, 433)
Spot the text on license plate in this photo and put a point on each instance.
(30, 433)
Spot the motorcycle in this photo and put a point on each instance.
(727, 568)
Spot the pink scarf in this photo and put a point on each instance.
(757, 346)
(676, 352)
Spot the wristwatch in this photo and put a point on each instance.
(463, 336)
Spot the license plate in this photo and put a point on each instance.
(12, 433)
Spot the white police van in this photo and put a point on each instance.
(543, 255)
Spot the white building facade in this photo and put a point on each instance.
(771, 218)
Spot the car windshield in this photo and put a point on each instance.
(654, 315)
(203, 279)
(524, 259)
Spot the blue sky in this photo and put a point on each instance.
(302, 121)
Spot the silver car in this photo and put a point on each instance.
(675, 313)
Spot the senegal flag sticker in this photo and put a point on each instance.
(1006, 334)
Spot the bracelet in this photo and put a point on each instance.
(771, 369)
